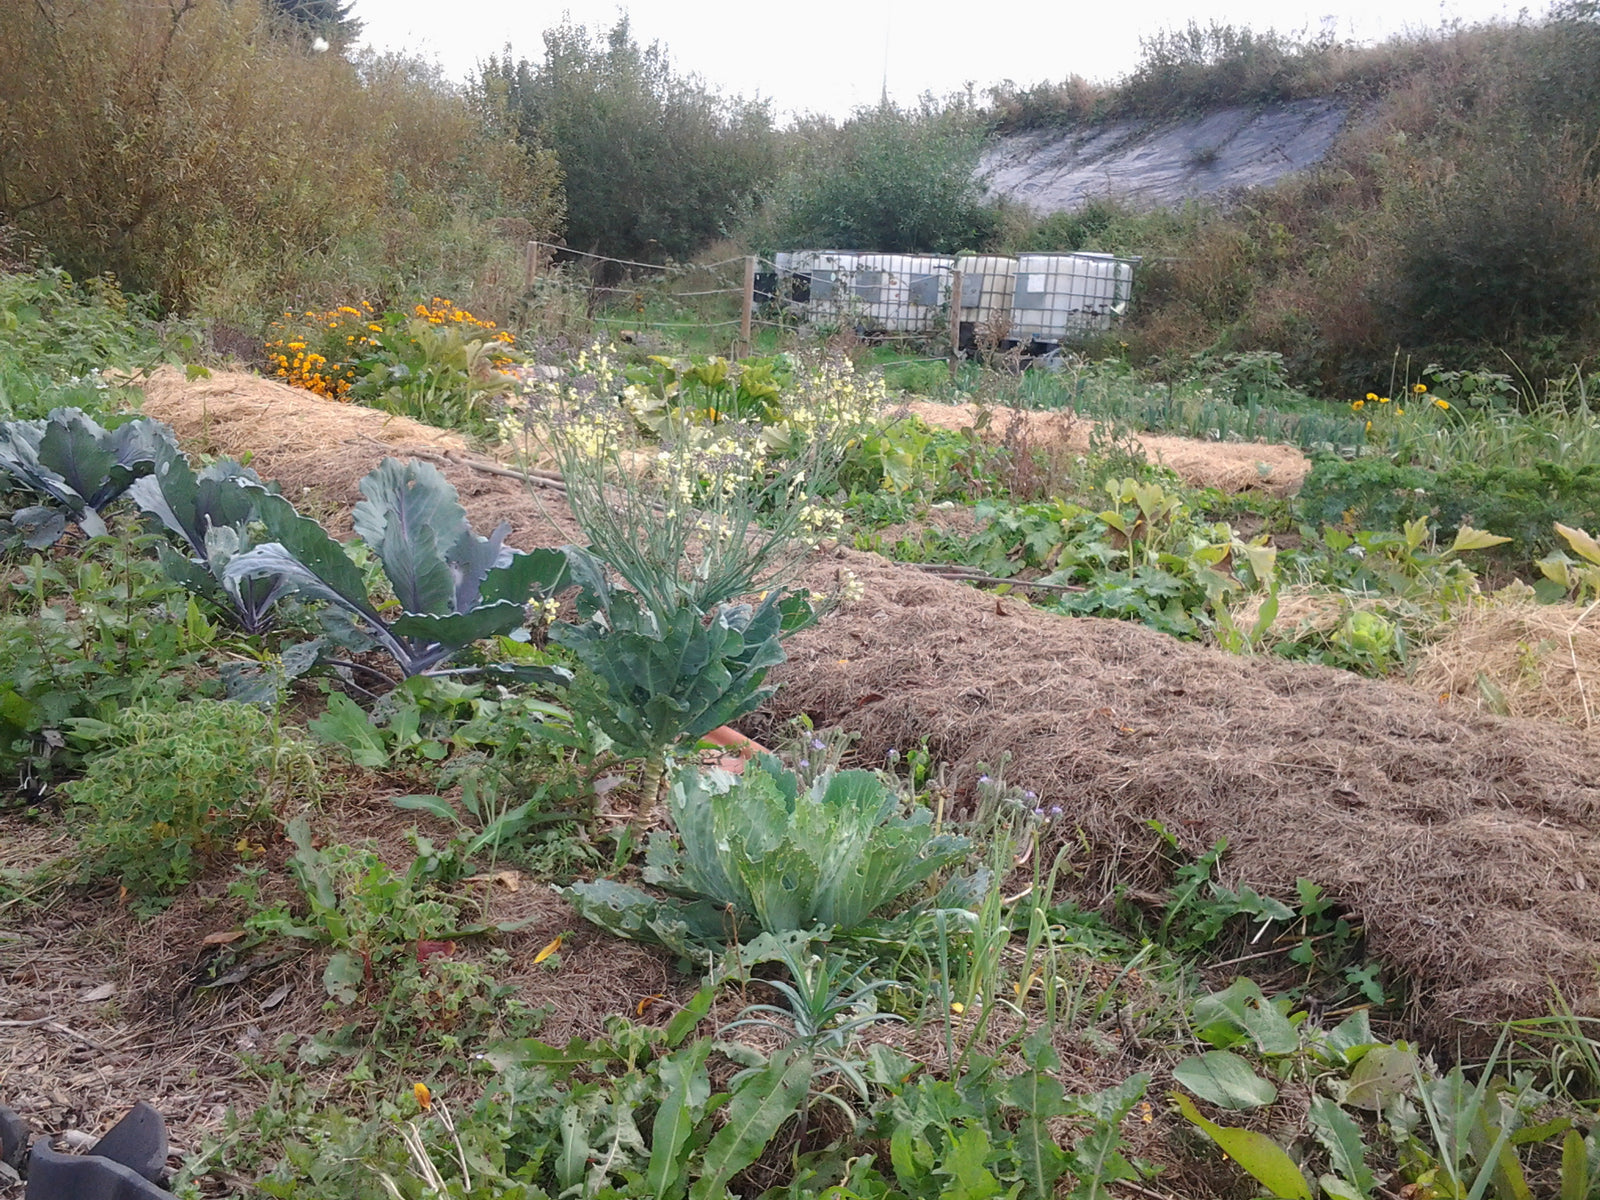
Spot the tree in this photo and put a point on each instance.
(327, 19)
(889, 179)
(655, 165)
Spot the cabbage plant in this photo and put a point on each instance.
(73, 460)
(452, 586)
(772, 854)
(217, 514)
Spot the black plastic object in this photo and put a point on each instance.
(126, 1164)
(13, 1137)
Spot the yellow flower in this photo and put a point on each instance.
(1400, 410)
(1383, 399)
(1369, 426)
(423, 1095)
(1442, 405)
(1359, 405)
(1419, 388)
(1372, 395)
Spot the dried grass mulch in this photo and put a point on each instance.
(1468, 844)
(319, 449)
(1509, 654)
(1228, 466)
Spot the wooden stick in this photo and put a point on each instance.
(955, 322)
(749, 303)
(959, 574)
(530, 266)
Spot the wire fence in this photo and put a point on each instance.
(943, 306)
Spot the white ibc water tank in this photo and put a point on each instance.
(901, 293)
(988, 283)
(1058, 295)
(832, 275)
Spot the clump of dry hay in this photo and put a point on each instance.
(309, 444)
(1467, 843)
(1229, 466)
(1509, 654)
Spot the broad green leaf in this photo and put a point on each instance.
(344, 724)
(1468, 538)
(343, 976)
(1383, 1073)
(1224, 1079)
(1242, 1008)
(1574, 1167)
(455, 630)
(690, 1015)
(1352, 1037)
(1263, 1158)
(964, 1165)
(757, 1110)
(1581, 542)
(410, 516)
(1341, 1137)
(576, 1151)
(688, 1087)
(535, 573)
(1039, 1096)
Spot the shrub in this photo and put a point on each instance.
(166, 789)
(654, 165)
(1504, 250)
(200, 157)
(889, 179)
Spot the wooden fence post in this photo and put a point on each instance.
(530, 266)
(955, 322)
(749, 303)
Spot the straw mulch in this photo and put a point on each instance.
(1467, 843)
(1228, 466)
(318, 450)
(1507, 654)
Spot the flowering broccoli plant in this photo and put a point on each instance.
(681, 531)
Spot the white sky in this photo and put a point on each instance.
(828, 56)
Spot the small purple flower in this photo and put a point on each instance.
(1030, 795)
(1038, 812)
(805, 762)
(817, 743)
(983, 779)
(1055, 810)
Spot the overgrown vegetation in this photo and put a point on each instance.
(176, 149)
(654, 164)
(359, 767)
